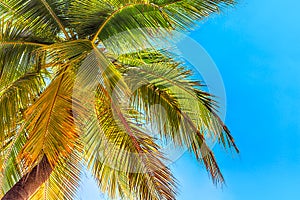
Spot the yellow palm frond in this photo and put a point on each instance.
(51, 122)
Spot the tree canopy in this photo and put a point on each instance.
(47, 46)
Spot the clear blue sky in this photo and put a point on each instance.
(256, 46)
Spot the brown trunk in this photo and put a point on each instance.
(30, 182)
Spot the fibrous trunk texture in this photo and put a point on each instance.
(29, 183)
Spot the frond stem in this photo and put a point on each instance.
(23, 43)
(53, 103)
(56, 18)
(122, 8)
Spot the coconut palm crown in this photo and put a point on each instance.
(49, 136)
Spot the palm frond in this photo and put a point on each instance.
(42, 17)
(97, 68)
(63, 54)
(15, 98)
(11, 170)
(125, 160)
(132, 16)
(190, 113)
(51, 122)
(5, 8)
(163, 17)
(185, 13)
(16, 51)
(87, 15)
(105, 19)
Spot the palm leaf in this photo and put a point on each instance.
(51, 122)
(190, 113)
(131, 20)
(15, 98)
(11, 170)
(63, 54)
(41, 16)
(140, 16)
(87, 15)
(185, 13)
(16, 51)
(123, 157)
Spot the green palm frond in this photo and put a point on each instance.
(96, 68)
(133, 16)
(16, 51)
(190, 113)
(138, 16)
(10, 168)
(15, 98)
(41, 15)
(184, 13)
(64, 54)
(87, 15)
(123, 157)
(5, 9)
(105, 19)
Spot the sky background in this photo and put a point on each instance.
(256, 46)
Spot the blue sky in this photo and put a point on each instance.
(256, 46)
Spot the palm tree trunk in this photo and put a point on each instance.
(29, 183)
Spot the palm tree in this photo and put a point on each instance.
(48, 134)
